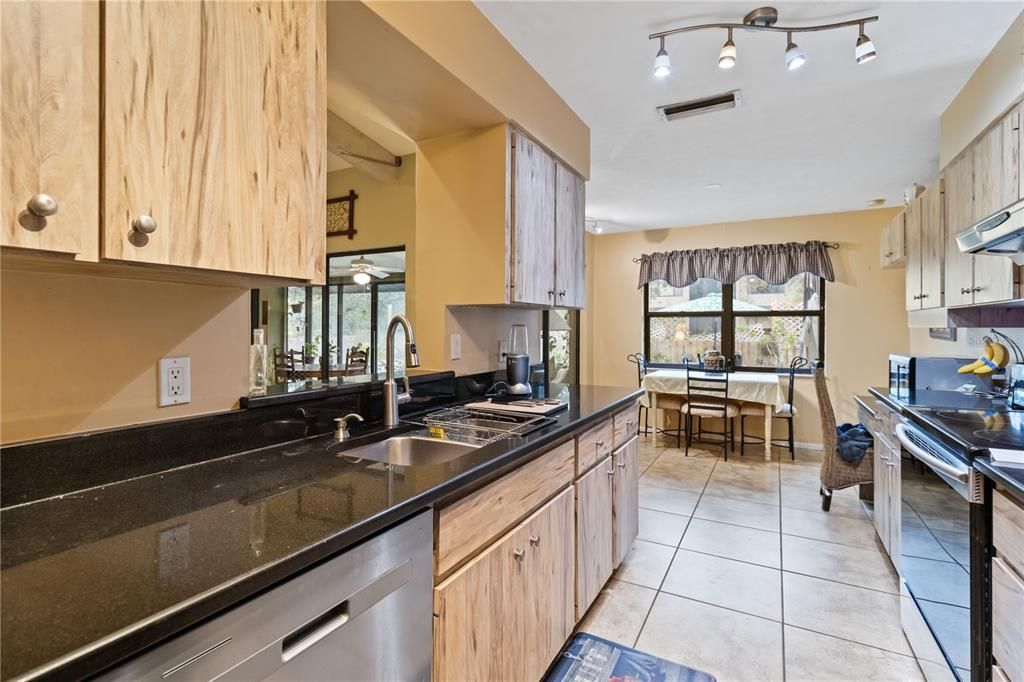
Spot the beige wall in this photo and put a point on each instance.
(864, 317)
(993, 87)
(385, 211)
(481, 328)
(79, 353)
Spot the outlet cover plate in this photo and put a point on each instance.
(175, 380)
(456, 344)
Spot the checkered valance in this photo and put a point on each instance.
(774, 263)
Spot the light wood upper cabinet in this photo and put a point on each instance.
(925, 239)
(996, 158)
(569, 229)
(533, 222)
(894, 251)
(215, 128)
(49, 134)
(505, 614)
(958, 207)
(626, 498)
(593, 533)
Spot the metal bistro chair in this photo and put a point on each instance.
(787, 412)
(836, 473)
(640, 361)
(707, 392)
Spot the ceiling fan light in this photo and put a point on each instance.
(727, 57)
(361, 278)
(795, 57)
(662, 64)
(865, 49)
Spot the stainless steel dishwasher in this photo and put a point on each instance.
(365, 615)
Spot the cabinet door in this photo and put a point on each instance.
(550, 562)
(49, 135)
(958, 207)
(881, 481)
(497, 617)
(914, 260)
(533, 218)
(626, 498)
(996, 168)
(569, 230)
(215, 127)
(893, 245)
(593, 533)
(932, 246)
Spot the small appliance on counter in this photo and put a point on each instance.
(909, 373)
(1016, 384)
(517, 362)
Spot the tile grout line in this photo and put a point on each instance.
(782, 578)
(675, 553)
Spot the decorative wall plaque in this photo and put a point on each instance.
(341, 215)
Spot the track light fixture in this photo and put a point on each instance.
(727, 57)
(865, 49)
(764, 19)
(662, 64)
(795, 57)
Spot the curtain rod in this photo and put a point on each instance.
(830, 245)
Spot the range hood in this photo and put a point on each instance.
(1001, 234)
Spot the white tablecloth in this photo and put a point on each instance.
(754, 387)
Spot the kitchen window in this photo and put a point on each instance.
(759, 326)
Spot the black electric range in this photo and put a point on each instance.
(971, 432)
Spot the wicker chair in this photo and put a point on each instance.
(836, 473)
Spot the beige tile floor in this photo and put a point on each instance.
(738, 572)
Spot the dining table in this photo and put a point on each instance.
(763, 388)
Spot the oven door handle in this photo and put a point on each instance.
(961, 474)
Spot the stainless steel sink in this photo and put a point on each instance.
(409, 451)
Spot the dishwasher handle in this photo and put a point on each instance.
(308, 635)
(961, 474)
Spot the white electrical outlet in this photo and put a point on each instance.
(456, 346)
(175, 381)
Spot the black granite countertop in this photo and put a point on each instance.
(932, 399)
(1010, 478)
(91, 577)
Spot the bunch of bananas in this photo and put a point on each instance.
(993, 358)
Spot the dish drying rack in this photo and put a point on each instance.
(477, 427)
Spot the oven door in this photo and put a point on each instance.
(937, 489)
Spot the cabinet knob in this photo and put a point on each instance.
(561, 293)
(518, 554)
(964, 291)
(42, 205)
(975, 290)
(599, 444)
(534, 540)
(924, 296)
(610, 472)
(144, 224)
(622, 464)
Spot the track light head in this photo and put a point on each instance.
(865, 50)
(795, 57)
(727, 57)
(662, 64)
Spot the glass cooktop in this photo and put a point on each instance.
(974, 431)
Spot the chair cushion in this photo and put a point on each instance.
(731, 410)
(670, 401)
(786, 410)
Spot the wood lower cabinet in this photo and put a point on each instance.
(506, 614)
(215, 136)
(1008, 619)
(594, 533)
(625, 498)
(49, 134)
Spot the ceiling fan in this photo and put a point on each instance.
(362, 268)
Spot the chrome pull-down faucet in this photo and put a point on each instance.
(392, 398)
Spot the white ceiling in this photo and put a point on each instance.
(828, 137)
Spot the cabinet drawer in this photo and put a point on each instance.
(1008, 619)
(465, 526)
(594, 445)
(624, 425)
(1008, 530)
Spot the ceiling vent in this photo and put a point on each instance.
(695, 107)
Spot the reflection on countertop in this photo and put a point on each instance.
(137, 560)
